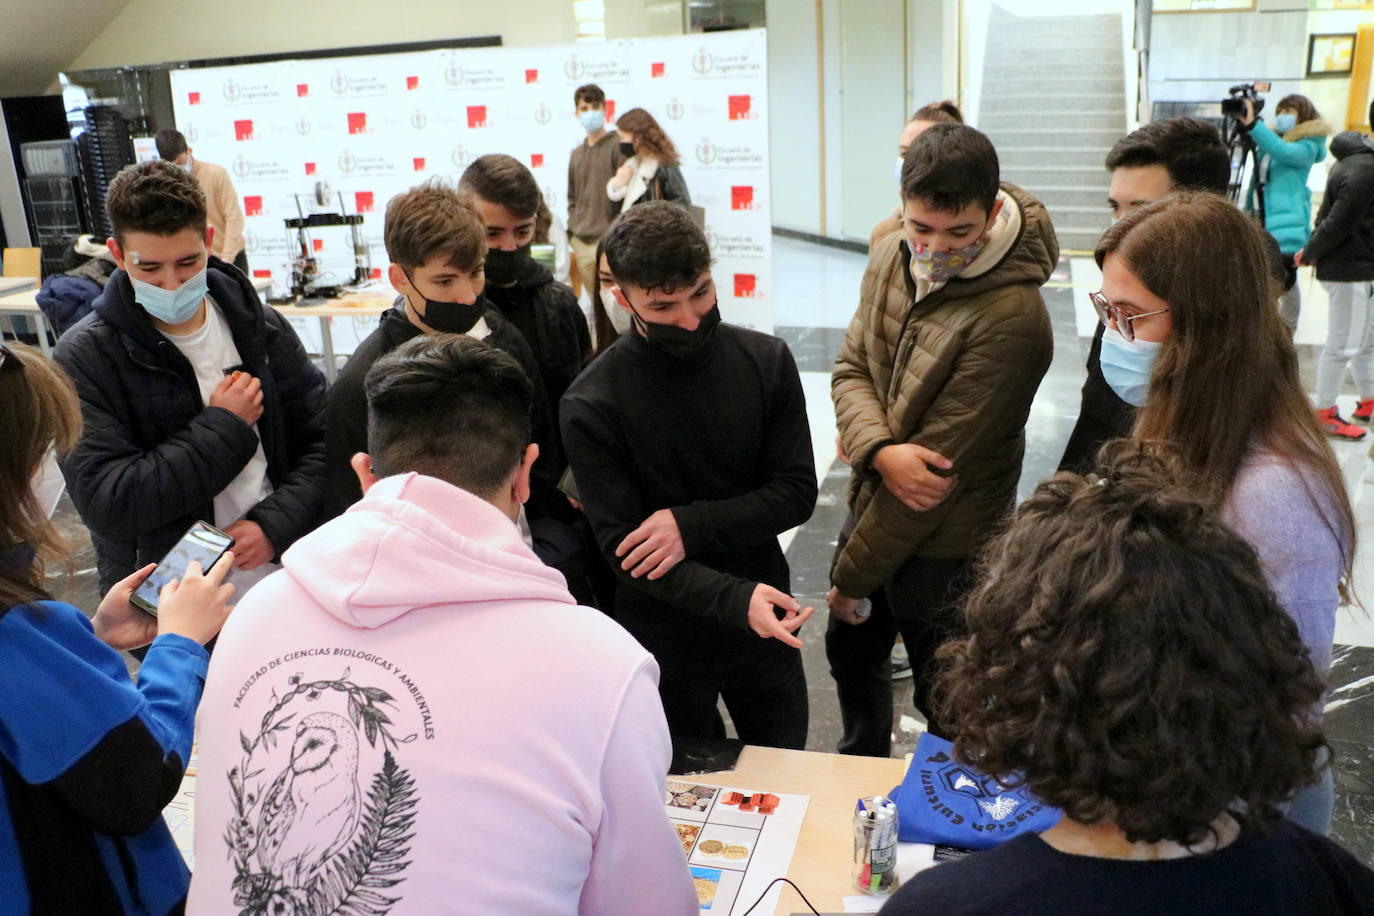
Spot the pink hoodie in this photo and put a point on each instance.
(414, 717)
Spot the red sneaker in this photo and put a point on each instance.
(1364, 411)
(1332, 424)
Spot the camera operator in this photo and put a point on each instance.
(1289, 150)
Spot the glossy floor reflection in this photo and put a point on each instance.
(817, 291)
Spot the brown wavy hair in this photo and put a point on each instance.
(41, 411)
(1226, 380)
(1128, 662)
(1300, 105)
(648, 136)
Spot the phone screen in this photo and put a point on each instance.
(202, 543)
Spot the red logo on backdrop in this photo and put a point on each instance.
(357, 122)
(302, 90)
(412, 82)
(193, 98)
(363, 201)
(745, 286)
(477, 116)
(310, 168)
(243, 130)
(376, 273)
(657, 70)
(531, 76)
(318, 243)
(739, 108)
(419, 163)
(741, 197)
(262, 274)
(252, 206)
(536, 160)
(610, 109)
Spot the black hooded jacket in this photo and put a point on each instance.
(153, 457)
(1342, 245)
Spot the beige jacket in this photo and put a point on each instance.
(955, 372)
(222, 207)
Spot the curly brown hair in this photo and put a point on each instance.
(1128, 662)
(434, 219)
(648, 136)
(157, 197)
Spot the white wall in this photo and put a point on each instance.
(155, 31)
(1197, 57)
(794, 118)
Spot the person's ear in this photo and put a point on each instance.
(520, 486)
(996, 209)
(117, 252)
(209, 237)
(362, 466)
(399, 281)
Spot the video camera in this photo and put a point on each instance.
(1234, 107)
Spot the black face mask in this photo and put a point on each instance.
(450, 317)
(627, 149)
(505, 267)
(681, 343)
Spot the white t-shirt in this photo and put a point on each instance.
(210, 350)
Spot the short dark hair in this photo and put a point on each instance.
(155, 196)
(1127, 659)
(433, 219)
(504, 180)
(656, 245)
(450, 407)
(945, 112)
(590, 93)
(170, 143)
(1190, 149)
(950, 166)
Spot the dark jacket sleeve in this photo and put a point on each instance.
(572, 187)
(1348, 198)
(787, 496)
(294, 506)
(121, 489)
(345, 435)
(1102, 415)
(673, 184)
(615, 506)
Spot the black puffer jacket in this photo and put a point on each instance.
(1342, 245)
(152, 456)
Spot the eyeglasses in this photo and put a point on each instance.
(1113, 317)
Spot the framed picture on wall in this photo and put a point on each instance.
(1330, 55)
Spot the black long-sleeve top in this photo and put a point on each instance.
(721, 439)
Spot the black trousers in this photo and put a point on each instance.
(921, 601)
(701, 659)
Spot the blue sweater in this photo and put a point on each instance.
(72, 730)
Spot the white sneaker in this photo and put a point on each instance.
(1369, 470)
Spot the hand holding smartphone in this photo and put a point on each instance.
(203, 543)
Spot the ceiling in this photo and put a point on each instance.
(37, 39)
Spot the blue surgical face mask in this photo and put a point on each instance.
(187, 164)
(172, 306)
(1126, 365)
(592, 120)
(897, 170)
(1285, 122)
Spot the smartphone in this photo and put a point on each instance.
(204, 543)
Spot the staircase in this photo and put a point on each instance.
(1053, 103)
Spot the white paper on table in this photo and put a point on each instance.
(865, 903)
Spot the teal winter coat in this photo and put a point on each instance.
(1286, 162)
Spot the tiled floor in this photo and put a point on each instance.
(816, 293)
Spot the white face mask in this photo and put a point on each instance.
(620, 319)
(897, 172)
(48, 484)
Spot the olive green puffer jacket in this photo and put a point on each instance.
(955, 373)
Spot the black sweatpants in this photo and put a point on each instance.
(921, 601)
(701, 659)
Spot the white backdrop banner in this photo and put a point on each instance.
(375, 125)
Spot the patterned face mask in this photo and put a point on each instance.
(942, 266)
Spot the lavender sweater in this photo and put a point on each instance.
(1272, 505)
